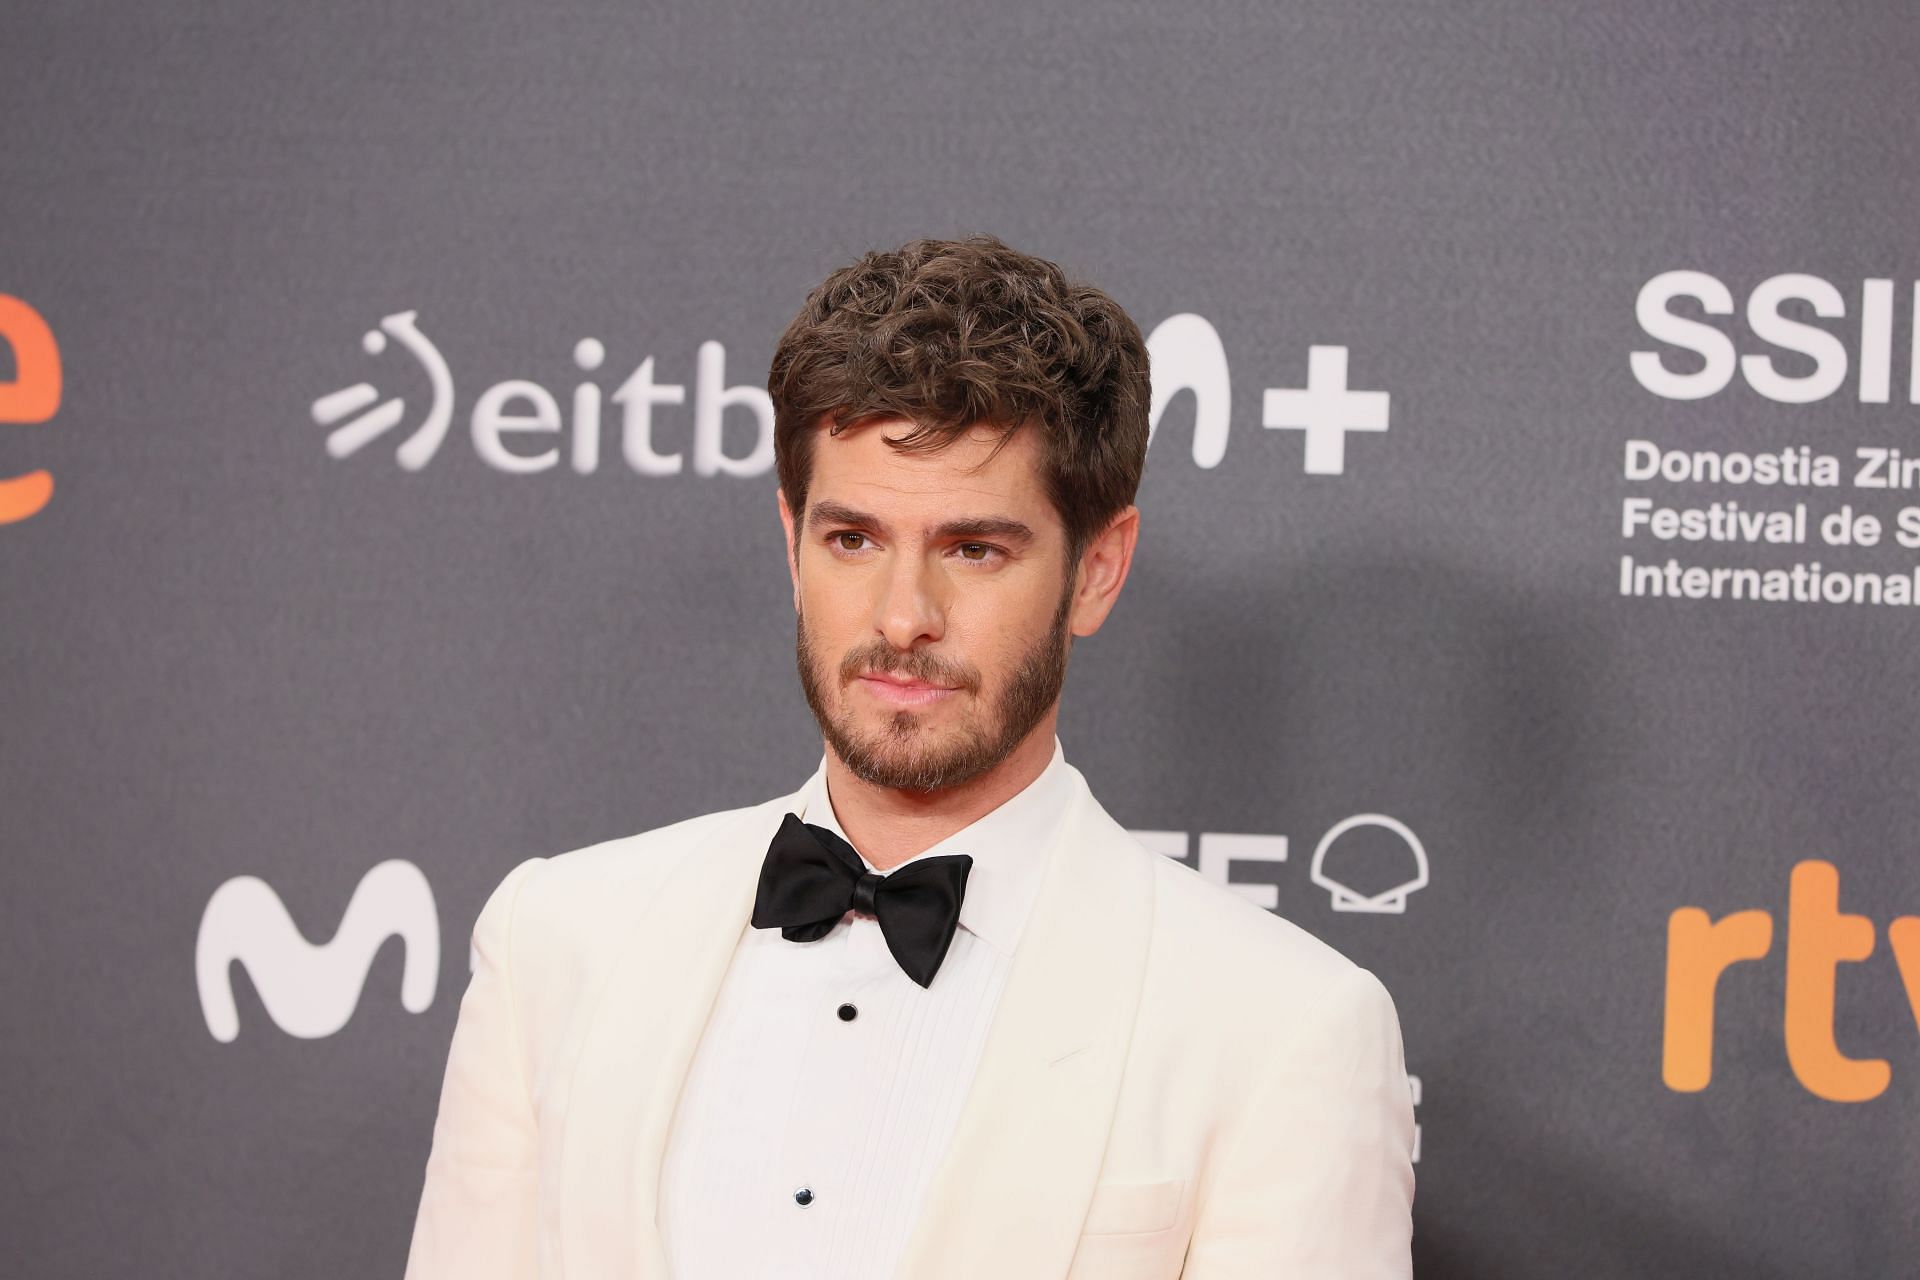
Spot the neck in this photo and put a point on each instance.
(889, 826)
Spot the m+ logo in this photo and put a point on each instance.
(1325, 410)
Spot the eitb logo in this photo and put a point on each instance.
(518, 426)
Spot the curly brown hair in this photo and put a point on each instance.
(952, 333)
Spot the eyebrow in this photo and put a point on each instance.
(1002, 527)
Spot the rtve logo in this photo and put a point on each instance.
(1769, 320)
(1185, 351)
(33, 396)
(1820, 937)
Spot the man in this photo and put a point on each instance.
(934, 1013)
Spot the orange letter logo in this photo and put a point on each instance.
(1819, 937)
(1698, 952)
(32, 396)
(1904, 935)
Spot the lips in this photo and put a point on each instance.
(898, 682)
(899, 692)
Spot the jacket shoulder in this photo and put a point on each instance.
(585, 893)
(1206, 930)
(1253, 988)
(641, 854)
(1207, 923)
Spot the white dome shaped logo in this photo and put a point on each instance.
(1346, 898)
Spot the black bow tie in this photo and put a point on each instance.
(812, 877)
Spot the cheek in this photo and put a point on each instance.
(999, 644)
(830, 605)
(835, 626)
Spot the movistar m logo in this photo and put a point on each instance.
(311, 990)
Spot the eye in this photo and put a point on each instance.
(985, 550)
(839, 540)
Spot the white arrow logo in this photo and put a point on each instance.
(418, 449)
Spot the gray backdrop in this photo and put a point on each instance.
(240, 676)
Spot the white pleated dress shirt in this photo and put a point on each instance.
(824, 1067)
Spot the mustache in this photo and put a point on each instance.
(917, 664)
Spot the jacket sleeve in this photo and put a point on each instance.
(1316, 1180)
(477, 1209)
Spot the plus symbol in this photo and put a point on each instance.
(1325, 410)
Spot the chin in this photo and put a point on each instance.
(903, 734)
(904, 737)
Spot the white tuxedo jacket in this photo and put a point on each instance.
(1175, 1083)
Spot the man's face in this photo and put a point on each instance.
(934, 600)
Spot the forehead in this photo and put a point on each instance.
(858, 467)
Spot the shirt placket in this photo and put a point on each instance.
(809, 1184)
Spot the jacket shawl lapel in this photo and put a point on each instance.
(1012, 1190)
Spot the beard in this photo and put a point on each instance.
(900, 755)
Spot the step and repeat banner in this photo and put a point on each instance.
(1530, 534)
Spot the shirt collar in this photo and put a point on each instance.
(1008, 846)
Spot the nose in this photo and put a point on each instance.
(910, 610)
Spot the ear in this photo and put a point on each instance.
(1102, 571)
(793, 561)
